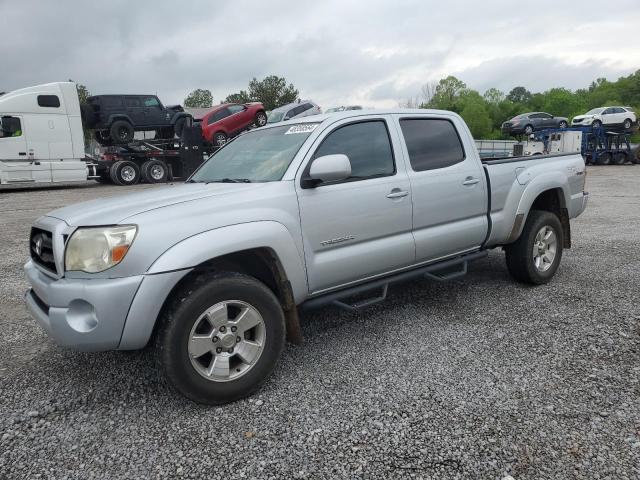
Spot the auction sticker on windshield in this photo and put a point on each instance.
(302, 128)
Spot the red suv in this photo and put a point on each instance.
(228, 119)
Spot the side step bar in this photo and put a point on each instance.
(429, 271)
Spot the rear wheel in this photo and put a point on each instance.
(528, 130)
(121, 131)
(154, 171)
(220, 338)
(125, 172)
(563, 124)
(535, 256)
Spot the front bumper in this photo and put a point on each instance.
(87, 315)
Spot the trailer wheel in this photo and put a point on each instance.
(121, 131)
(620, 158)
(154, 171)
(125, 172)
(603, 159)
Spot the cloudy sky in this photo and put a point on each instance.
(370, 52)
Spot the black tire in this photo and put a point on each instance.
(154, 171)
(184, 311)
(519, 255)
(104, 178)
(627, 124)
(261, 119)
(528, 129)
(219, 139)
(563, 124)
(603, 159)
(121, 132)
(596, 124)
(124, 172)
(619, 158)
(635, 157)
(102, 137)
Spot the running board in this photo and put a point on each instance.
(429, 271)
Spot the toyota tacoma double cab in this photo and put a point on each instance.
(114, 119)
(329, 209)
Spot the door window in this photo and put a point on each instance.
(151, 102)
(432, 143)
(219, 115)
(236, 109)
(367, 145)
(10, 127)
(133, 102)
(608, 111)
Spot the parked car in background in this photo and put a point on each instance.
(528, 123)
(224, 121)
(623, 117)
(115, 118)
(343, 108)
(301, 108)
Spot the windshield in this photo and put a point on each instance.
(262, 155)
(594, 111)
(275, 117)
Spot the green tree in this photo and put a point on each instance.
(447, 92)
(493, 95)
(477, 118)
(519, 95)
(272, 91)
(199, 98)
(241, 97)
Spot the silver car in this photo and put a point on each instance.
(298, 109)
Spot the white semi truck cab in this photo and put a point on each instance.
(41, 135)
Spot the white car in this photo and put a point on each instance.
(623, 117)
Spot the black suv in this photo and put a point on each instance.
(115, 118)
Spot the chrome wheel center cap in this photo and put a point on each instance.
(228, 340)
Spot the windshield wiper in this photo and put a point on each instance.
(230, 180)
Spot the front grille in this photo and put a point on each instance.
(41, 249)
(518, 150)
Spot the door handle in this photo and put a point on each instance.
(470, 181)
(397, 193)
(22, 154)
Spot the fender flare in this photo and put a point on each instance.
(119, 116)
(205, 246)
(532, 191)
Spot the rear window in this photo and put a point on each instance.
(432, 143)
(51, 101)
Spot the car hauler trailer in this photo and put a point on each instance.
(41, 136)
(596, 144)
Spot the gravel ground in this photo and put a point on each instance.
(477, 378)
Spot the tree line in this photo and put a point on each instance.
(484, 113)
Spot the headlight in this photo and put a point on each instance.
(94, 249)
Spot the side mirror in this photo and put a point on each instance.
(329, 168)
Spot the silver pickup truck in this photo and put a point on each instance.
(213, 272)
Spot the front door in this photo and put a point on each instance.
(359, 227)
(448, 187)
(19, 163)
(155, 115)
(136, 110)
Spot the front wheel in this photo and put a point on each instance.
(220, 338)
(627, 124)
(596, 124)
(535, 256)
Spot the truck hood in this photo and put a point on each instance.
(114, 210)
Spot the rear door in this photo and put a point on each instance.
(547, 120)
(447, 184)
(359, 227)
